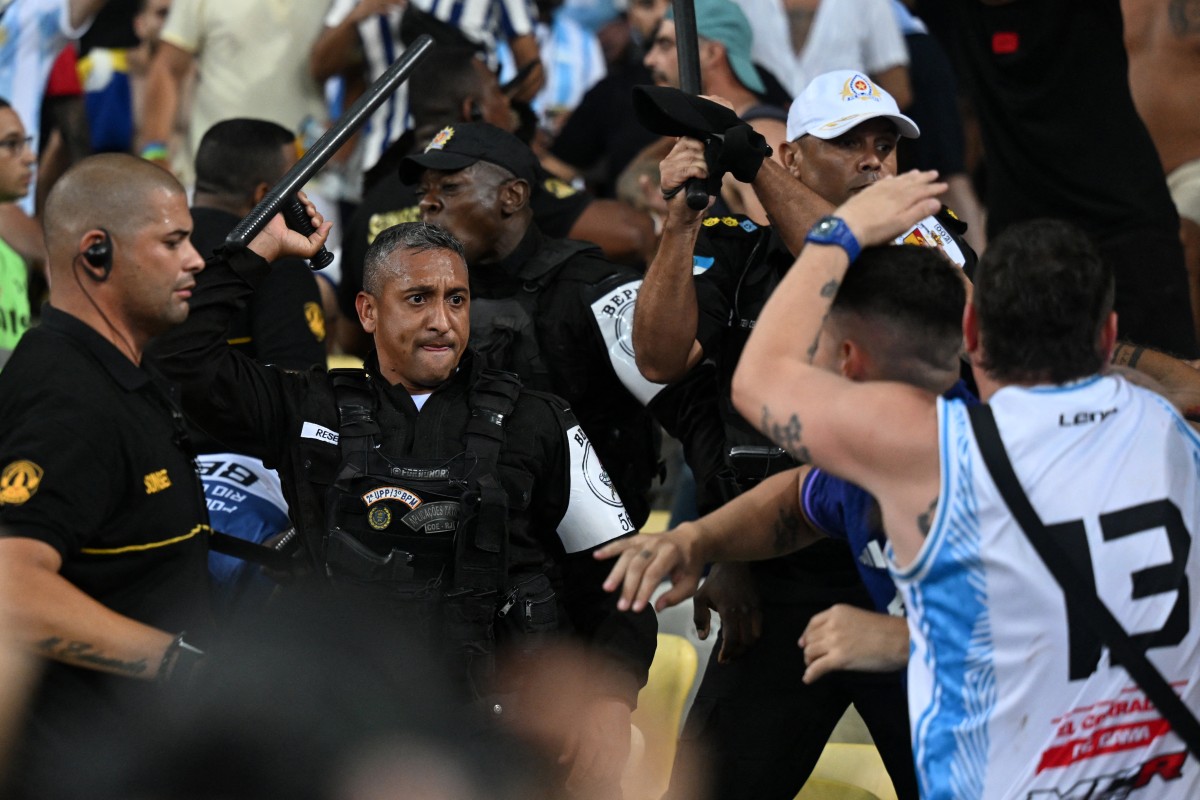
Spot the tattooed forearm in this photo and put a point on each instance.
(925, 520)
(84, 654)
(787, 532)
(1184, 16)
(787, 435)
(1127, 355)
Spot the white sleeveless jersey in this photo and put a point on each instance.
(1010, 695)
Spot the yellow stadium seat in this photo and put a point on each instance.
(855, 769)
(658, 717)
(822, 789)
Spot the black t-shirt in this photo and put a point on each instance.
(1050, 85)
(604, 128)
(91, 464)
(556, 206)
(113, 27)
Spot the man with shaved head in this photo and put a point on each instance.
(103, 531)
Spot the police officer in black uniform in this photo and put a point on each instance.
(441, 491)
(103, 530)
(456, 87)
(701, 299)
(554, 311)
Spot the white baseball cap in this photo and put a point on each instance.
(835, 102)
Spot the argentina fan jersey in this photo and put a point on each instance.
(1010, 693)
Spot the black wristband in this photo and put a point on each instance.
(669, 193)
(179, 660)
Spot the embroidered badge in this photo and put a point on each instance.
(18, 482)
(730, 221)
(710, 221)
(157, 481)
(701, 264)
(391, 493)
(442, 139)
(560, 189)
(748, 226)
(433, 517)
(379, 518)
(315, 318)
(859, 87)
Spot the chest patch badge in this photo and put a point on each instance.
(379, 518)
(157, 481)
(391, 493)
(434, 517)
(19, 481)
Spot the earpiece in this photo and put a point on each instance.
(98, 258)
(474, 112)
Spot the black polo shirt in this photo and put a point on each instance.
(91, 464)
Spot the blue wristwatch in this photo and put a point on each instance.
(834, 230)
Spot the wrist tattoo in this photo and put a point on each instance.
(85, 655)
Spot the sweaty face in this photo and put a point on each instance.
(838, 168)
(16, 157)
(466, 203)
(155, 267)
(421, 319)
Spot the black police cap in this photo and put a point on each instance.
(459, 146)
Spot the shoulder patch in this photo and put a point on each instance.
(701, 264)
(19, 481)
(559, 188)
(378, 223)
(315, 318)
(730, 226)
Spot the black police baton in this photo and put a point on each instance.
(687, 53)
(282, 196)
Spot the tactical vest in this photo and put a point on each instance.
(750, 455)
(428, 540)
(504, 330)
(504, 335)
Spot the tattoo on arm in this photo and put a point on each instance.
(787, 532)
(925, 520)
(827, 291)
(1184, 16)
(84, 654)
(787, 435)
(1127, 355)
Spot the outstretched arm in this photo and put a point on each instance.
(878, 435)
(1177, 380)
(760, 524)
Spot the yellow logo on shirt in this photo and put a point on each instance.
(157, 481)
(18, 482)
(315, 318)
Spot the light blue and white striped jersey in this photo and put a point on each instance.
(32, 34)
(1010, 695)
(488, 22)
(572, 62)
